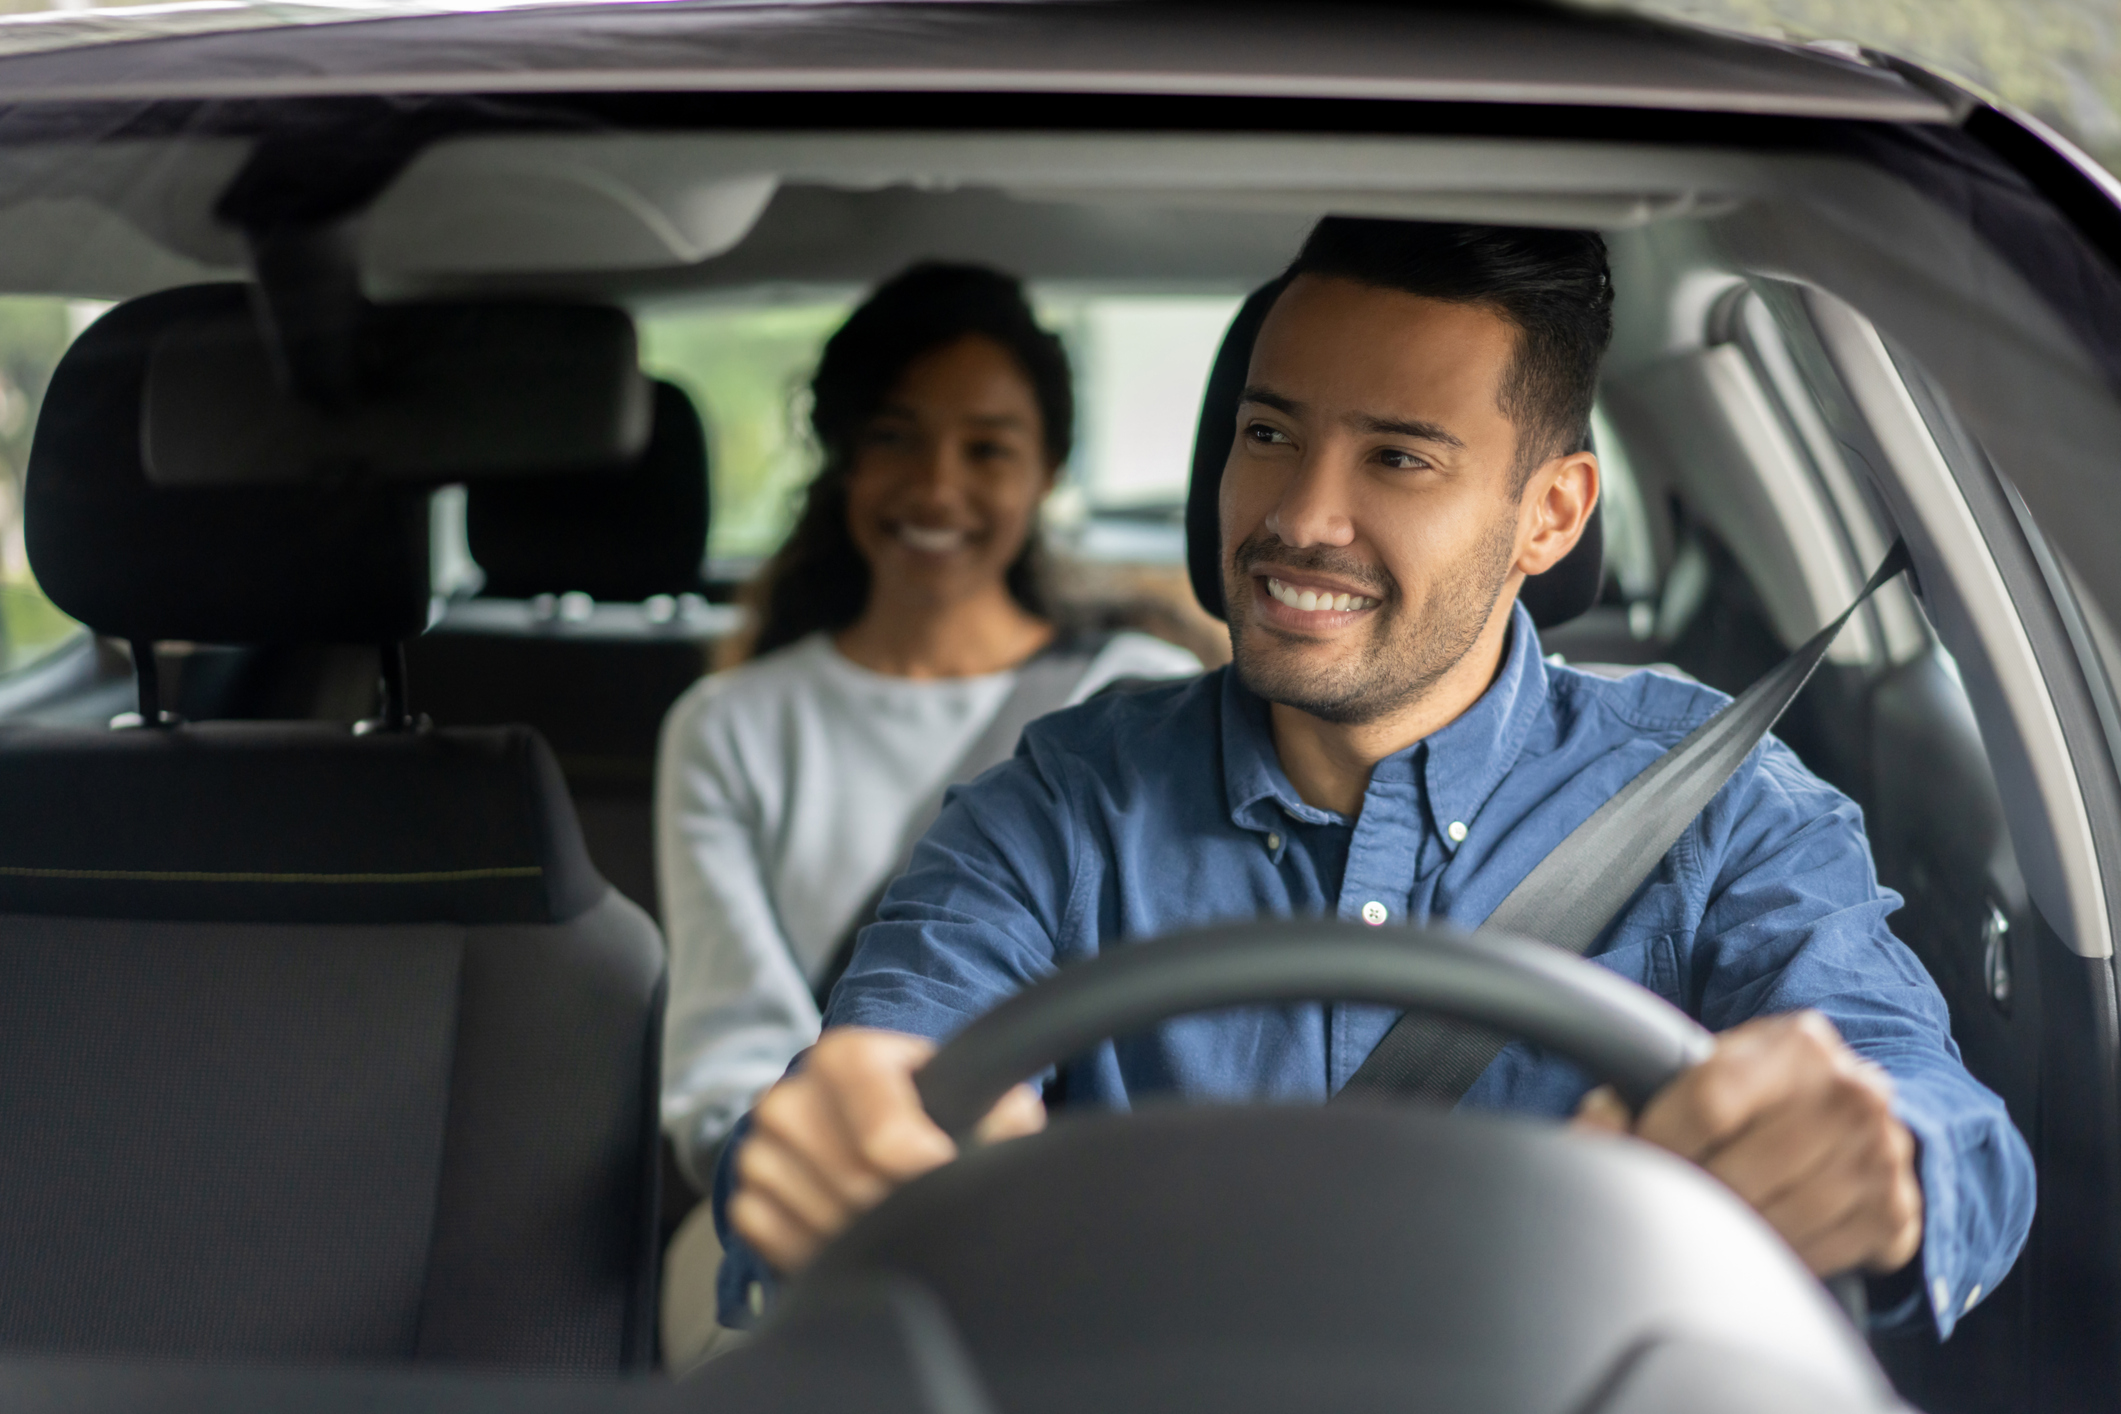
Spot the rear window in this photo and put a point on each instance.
(1141, 363)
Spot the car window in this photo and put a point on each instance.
(746, 365)
(34, 332)
(1140, 360)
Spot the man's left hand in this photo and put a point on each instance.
(1801, 1128)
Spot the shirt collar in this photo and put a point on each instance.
(1467, 759)
(1461, 764)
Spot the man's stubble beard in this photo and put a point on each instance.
(1409, 651)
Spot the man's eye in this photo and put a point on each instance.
(1265, 436)
(1402, 461)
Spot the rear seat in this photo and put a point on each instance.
(316, 1045)
(589, 625)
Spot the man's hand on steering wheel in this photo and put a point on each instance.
(831, 1140)
(1783, 1112)
(1801, 1128)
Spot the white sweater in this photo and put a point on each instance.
(784, 791)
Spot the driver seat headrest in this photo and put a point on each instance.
(1563, 592)
(305, 563)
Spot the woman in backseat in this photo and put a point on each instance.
(904, 635)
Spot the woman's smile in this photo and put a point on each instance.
(932, 539)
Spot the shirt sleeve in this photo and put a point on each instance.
(1796, 919)
(974, 917)
(739, 1007)
(970, 922)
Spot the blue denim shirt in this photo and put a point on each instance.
(1133, 816)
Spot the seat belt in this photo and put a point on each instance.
(1572, 895)
(1043, 684)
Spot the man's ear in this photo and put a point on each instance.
(1553, 511)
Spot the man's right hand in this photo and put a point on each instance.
(829, 1141)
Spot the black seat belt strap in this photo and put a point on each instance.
(1571, 896)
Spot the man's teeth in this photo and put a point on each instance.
(1314, 603)
(932, 540)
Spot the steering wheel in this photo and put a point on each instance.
(1319, 1257)
(1621, 1033)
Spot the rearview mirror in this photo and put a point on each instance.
(448, 392)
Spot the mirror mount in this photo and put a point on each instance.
(310, 309)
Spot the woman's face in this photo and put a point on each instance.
(948, 475)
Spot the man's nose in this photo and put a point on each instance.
(1313, 509)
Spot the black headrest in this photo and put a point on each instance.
(1555, 597)
(623, 538)
(306, 563)
(224, 822)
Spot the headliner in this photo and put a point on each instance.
(1499, 54)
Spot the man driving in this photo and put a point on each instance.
(1388, 745)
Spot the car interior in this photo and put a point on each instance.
(331, 1014)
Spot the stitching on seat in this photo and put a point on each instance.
(200, 876)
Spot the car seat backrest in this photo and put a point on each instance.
(1562, 593)
(316, 1044)
(597, 692)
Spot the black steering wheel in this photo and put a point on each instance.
(1339, 1257)
(1621, 1033)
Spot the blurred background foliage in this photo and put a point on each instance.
(34, 331)
(2059, 60)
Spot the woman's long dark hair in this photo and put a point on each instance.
(818, 578)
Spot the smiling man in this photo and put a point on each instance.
(1388, 745)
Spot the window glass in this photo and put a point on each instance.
(34, 331)
(1140, 360)
(747, 367)
(1141, 367)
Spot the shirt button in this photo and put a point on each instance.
(1273, 842)
(755, 1298)
(1940, 1295)
(1457, 831)
(1373, 913)
(1971, 1298)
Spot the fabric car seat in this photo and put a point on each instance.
(316, 1044)
(1563, 593)
(597, 691)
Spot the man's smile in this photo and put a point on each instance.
(1319, 601)
(1307, 601)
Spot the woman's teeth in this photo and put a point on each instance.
(1313, 603)
(931, 540)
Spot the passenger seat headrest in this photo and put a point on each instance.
(309, 563)
(621, 538)
(1561, 594)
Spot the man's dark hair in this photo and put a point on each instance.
(818, 579)
(1552, 285)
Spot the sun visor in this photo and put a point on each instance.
(449, 392)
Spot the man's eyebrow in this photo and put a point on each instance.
(1400, 427)
(1362, 422)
